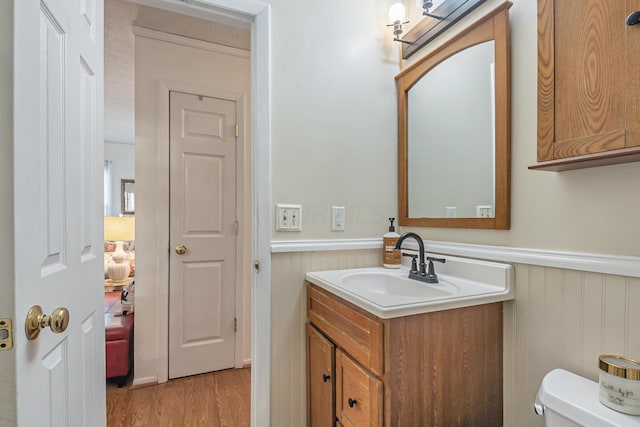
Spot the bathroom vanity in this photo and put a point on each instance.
(438, 364)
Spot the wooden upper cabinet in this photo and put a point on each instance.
(588, 84)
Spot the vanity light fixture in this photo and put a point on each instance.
(426, 5)
(396, 15)
(119, 229)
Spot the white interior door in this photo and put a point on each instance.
(57, 207)
(203, 220)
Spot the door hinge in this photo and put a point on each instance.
(6, 334)
(235, 325)
(256, 266)
(237, 130)
(237, 227)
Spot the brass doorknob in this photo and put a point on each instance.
(181, 249)
(58, 321)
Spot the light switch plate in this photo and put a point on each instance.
(288, 217)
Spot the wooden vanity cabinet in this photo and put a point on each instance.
(588, 87)
(434, 369)
(358, 394)
(320, 379)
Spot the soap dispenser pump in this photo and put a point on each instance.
(391, 256)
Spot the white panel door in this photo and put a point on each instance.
(203, 220)
(57, 207)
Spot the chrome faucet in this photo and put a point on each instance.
(421, 274)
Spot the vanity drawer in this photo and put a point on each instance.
(358, 394)
(358, 333)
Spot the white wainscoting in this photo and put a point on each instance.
(288, 317)
(561, 318)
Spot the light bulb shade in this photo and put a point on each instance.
(119, 228)
(396, 12)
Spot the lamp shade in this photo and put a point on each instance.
(119, 228)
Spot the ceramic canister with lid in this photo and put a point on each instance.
(620, 383)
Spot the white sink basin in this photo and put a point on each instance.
(384, 282)
(390, 293)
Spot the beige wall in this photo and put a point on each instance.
(119, 16)
(163, 66)
(119, 71)
(334, 142)
(334, 136)
(333, 114)
(590, 210)
(120, 87)
(7, 362)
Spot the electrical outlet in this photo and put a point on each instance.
(484, 211)
(450, 212)
(338, 218)
(288, 217)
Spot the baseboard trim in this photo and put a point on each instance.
(596, 263)
(144, 382)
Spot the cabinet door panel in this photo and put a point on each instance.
(588, 85)
(357, 333)
(589, 67)
(632, 76)
(359, 397)
(320, 379)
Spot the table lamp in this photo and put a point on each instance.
(119, 229)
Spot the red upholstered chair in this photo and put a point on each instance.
(118, 337)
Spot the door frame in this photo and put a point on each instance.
(164, 147)
(253, 14)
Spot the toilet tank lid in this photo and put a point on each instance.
(577, 399)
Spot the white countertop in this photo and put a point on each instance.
(389, 293)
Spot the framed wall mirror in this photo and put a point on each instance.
(127, 196)
(454, 131)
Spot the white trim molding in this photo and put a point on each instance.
(597, 263)
(253, 15)
(143, 382)
(280, 246)
(189, 42)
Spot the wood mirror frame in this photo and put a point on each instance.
(493, 26)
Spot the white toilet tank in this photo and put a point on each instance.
(568, 400)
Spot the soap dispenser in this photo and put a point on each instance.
(391, 256)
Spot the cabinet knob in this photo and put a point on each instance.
(352, 402)
(326, 377)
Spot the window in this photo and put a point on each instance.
(107, 187)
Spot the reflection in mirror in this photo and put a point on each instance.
(119, 164)
(454, 131)
(127, 196)
(451, 112)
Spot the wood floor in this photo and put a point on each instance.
(215, 399)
